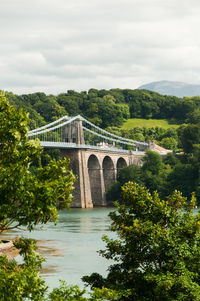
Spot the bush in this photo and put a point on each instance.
(157, 253)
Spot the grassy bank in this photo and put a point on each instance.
(148, 123)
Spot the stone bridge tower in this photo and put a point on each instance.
(73, 132)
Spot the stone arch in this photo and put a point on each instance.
(95, 180)
(121, 162)
(108, 171)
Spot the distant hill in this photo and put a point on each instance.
(178, 89)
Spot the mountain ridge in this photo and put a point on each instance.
(179, 89)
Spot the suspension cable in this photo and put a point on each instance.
(107, 138)
(49, 124)
(53, 128)
(113, 135)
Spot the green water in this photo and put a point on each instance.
(71, 246)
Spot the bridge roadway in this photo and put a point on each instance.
(96, 168)
(63, 145)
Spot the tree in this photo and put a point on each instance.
(194, 116)
(189, 136)
(110, 112)
(127, 173)
(184, 177)
(154, 173)
(157, 253)
(130, 173)
(22, 281)
(169, 143)
(49, 108)
(184, 107)
(69, 103)
(152, 162)
(27, 199)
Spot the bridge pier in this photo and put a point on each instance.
(96, 179)
(82, 192)
(103, 199)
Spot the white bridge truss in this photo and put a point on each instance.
(51, 136)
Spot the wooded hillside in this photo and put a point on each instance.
(107, 107)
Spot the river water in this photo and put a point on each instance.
(70, 247)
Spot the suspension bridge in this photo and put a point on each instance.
(95, 155)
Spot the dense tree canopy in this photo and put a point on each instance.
(189, 137)
(175, 171)
(107, 107)
(157, 253)
(28, 198)
(153, 174)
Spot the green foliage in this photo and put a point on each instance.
(25, 102)
(184, 177)
(167, 138)
(169, 143)
(110, 112)
(153, 174)
(113, 193)
(171, 160)
(22, 282)
(189, 136)
(193, 116)
(109, 107)
(125, 174)
(74, 293)
(157, 253)
(180, 172)
(27, 199)
(47, 106)
(153, 163)
(130, 173)
(65, 292)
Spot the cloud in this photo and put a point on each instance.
(53, 46)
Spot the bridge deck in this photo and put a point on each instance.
(64, 145)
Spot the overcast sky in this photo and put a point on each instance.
(57, 45)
